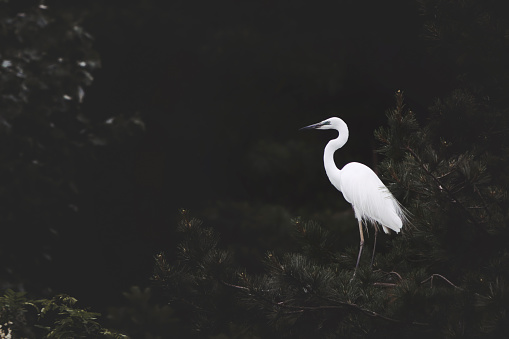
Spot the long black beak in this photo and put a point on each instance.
(311, 126)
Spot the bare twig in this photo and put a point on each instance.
(445, 174)
(389, 273)
(440, 276)
(235, 286)
(476, 189)
(384, 284)
(396, 273)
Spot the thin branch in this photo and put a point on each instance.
(389, 273)
(235, 286)
(476, 189)
(446, 174)
(458, 187)
(396, 273)
(444, 278)
(384, 284)
(341, 305)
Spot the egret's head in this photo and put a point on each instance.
(331, 123)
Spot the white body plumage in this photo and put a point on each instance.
(370, 199)
(361, 187)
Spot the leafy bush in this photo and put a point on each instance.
(21, 317)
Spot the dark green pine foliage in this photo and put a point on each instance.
(459, 216)
(445, 276)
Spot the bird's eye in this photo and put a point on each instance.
(326, 122)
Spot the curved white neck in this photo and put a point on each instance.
(328, 155)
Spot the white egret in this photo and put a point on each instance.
(371, 200)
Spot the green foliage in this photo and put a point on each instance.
(199, 275)
(142, 317)
(444, 277)
(48, 318)
(299, 295)
(48, 141)
(46, 62)
(458, 207)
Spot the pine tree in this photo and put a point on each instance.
(445, 276)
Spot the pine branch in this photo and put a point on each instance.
(441, 186)
(342, 305)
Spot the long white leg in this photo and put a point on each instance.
(374, 246)
(360, 248)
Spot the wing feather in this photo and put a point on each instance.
(371, 199)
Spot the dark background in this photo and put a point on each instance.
(222, 88)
